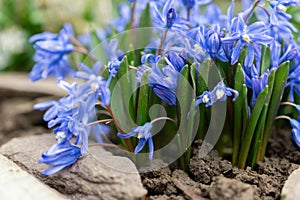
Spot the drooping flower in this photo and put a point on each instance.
(219, 93)
(95, 84)
(243, 35)
(51, 54)
(191, 3)
(164, 81)
(295, 131)
(60, 156)
(143, 133)
(168, 18)
(280, 7)
(210, 40)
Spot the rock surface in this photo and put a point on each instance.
(291, 188)
(18, 84)
(230, 189)
(98, 175)
(17, 184)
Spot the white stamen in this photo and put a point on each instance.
(197, 48)
(94, 86)
(140, 135)
(93, 76)
(246, 38)
(281, 8)
(60, 136)
(205, 99)
(220, 94)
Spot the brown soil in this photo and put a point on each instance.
(214, 178)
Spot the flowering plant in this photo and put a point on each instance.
(162, 75)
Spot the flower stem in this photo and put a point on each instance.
(100, 121)
(188, 14)
(81, 49)
(162, 40)
(162, 118)
(132, 15)
(255, 4)
(282, 117)
(119, 128)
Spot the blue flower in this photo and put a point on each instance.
(143, 133)
(51, 54)
(279, 8)
(191, 3)
(290, 53)
(95, 84)
(210, 39)
(294, 81)
(295, 131)
(115, 57)
(219, 93)
(243, 35)
(164, 82)
(59, 156)
(176, 60)
(168, 18)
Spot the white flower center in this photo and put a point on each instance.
(246, 38)
(205, 99)
(60, 136)
(139, 135)
(93, 76)
(94, 86)
(281, 8)
(197, 48)
(220, 94)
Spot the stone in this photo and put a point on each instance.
(18, 84)
(17, 184)
(230, 189)
(290, 190)
(97, 175)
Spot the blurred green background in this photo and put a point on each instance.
(20, 19)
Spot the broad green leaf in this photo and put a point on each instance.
(281, 76)
(258, 136)
(97, 48)
(245, 109)
(142, 109)
(238, 113)
(251, 125)
(122, 103)
(266, 57)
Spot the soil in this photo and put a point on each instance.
(214, 178)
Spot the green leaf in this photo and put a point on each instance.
(122, 104)
(257, 136)
(145, 19)
(251, 125)
(185, 106)
(279, 85)
(238, 113)
(201, 86)
(142, 109)
(266, 58)
(97, 47)
(245, 109)
(259, 132)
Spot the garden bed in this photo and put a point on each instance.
(215, 178)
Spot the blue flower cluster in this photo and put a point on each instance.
(51, 54)
(187, 37)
